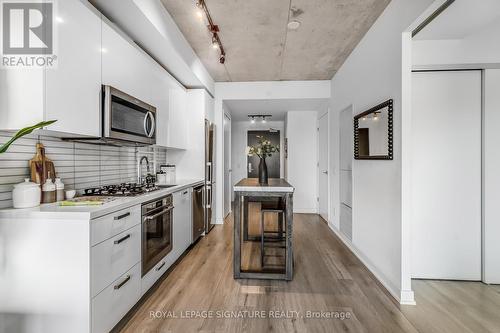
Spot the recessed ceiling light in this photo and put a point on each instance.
(293, 25)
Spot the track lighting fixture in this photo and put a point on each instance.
(202, 8)
(199, 9)
(215, 44)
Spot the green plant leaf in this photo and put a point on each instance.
(23, 132)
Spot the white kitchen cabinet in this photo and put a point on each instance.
(73, 87)
(115, 256)
(68, 92)
(21, 97)
(116, 300)
(183, 228)
(178, 120)
(156, 272)
(191, 162)
(124, 66)
(161, 84)
(112, 224)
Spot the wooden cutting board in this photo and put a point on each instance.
(41, 167)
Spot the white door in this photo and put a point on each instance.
(346, 157)
(446, 175)
(227, 165)
(323, 166)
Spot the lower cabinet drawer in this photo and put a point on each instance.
(111, 258)
(109, 307)
(112, 224)
(156, 272)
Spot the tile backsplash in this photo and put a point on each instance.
(79, 165)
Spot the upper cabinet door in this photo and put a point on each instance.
(124, 67)
(73, 86)
(21, 97)
(161, 83)
(178, 120)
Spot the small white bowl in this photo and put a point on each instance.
(70, 194)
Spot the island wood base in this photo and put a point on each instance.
(249, 188)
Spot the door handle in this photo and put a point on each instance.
(122, 239)
(160, 267)
(122, 216)
(209, 172)
(325, 172)
(163, 212)
(121, 284)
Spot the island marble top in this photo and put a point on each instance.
(252, 185)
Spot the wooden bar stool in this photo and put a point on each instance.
(271, 238)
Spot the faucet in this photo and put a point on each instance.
(139, 169)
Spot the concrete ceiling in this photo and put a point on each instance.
(462, 18)
(277, 108)
(260, 47)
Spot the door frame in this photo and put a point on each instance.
(230, 180)
(328, 166)
(282, 143)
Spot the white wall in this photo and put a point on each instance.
(302, 134)
(491, 176)
(481, 47)
(239, 143)
(256, 90)
(372, 74)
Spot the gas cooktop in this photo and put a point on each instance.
(121, 190)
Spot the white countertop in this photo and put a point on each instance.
(54, 211)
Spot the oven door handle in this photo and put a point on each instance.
(163, 212)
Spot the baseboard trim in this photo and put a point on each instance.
(408, 297)
(401, 296)
(305, 211)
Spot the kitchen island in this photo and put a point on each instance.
(276, 190)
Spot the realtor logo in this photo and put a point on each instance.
(27, 34)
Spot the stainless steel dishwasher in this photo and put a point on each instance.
(198, 212)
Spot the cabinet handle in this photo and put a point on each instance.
(122, 239)
(160, 267)
(121, 284)
(185, 192)
(119, 217)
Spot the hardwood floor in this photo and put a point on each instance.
(328, 279)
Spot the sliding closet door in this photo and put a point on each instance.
(446, 169)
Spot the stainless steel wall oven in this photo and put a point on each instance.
(157, 231)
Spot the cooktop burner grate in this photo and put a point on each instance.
(122, 190)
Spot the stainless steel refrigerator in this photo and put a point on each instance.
(209, 176)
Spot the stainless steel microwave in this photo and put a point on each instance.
(127, 118)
